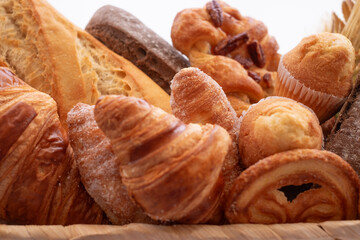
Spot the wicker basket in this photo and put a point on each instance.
(325, 230)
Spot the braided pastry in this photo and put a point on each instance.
(172, 170)
(205, 102)
(304, 185)
(236, 51)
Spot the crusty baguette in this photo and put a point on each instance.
(54, 56)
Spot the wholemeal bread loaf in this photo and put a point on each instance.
(343, 139)
(56, 57)
(126, 35)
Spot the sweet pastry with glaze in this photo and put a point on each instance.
(205, 102)
(237, 104)
(52, 55)
(40, 183)
(172, 170)
(126, 35)
(99, 167)
(277, 124)
(343, 139)
(235, 50)
(302, 185)
(318, 73)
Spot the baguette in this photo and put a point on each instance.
(54, 56)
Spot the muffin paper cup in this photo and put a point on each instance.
(324, 105)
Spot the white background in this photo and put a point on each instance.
(287, 20)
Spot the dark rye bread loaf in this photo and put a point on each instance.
(129, 37)
(344, 139)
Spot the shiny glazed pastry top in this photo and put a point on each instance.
(277, 124)
(236, 51)
(301, 185)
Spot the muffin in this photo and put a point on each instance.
(317, 73)
(277, 124)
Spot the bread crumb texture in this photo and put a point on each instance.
(20, 44)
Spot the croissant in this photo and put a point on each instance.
(303, 185)
(236, 51)
(99, 168)
(172, 170)
(40, 183)
(205, 102)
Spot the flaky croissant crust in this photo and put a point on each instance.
(332, 194)
(99, 167)
(197, 98)
(39, 180)
(172, 170)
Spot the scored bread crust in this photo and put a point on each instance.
(56, 57)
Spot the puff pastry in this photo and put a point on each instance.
(99, 167)
(236, 51)
(197, 98)
(39, 181)
(304, 185)
(172, 170)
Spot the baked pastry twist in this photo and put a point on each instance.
(39, 181)
(197, 98)
(172, 170)
(99, 167)
(236, 51)
(205, 102)
(304, 185)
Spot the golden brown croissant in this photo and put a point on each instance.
(197, 98)
(172, 170)
(40, 183)
(304, 185)
(236, 51)
(99, 167)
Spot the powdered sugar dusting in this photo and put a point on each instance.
(99, 168)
